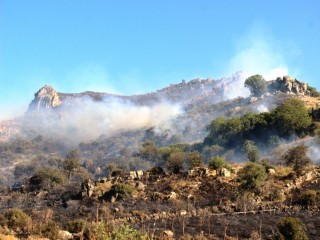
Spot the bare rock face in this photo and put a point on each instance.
(288, 85)
(45, 98)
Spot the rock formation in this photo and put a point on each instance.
(45, 98)
(288, 85)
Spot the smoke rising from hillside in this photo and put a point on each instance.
(89, 119)
(236, 88)
(258, 52)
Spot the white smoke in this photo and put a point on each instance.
(314, 153)
(234, 86)
(89, 119)
(258, 52)
(262, 108)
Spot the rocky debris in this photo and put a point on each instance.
(46, 98)
(201, 172)
(271, 171)
(225, 172)
(183, 213)
(288, 85)
(172, 195)
(157, 196)
(211, 173)
(136, 174)
(168, 235)
(140, 186)
(65, 235)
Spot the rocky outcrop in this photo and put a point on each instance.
(288, 85)
(45, 98)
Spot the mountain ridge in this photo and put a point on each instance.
(199, 101)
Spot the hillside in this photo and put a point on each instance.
(202, 159)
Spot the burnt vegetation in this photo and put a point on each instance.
(250, 176)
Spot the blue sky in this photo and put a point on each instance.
(137, 46)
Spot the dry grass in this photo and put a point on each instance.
(310, 102)
(282, 171)
(7, 237)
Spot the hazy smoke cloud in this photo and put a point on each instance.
(234, 86)
(262, 108)
(88, 119)
(258, 53)
(314, 153)
(313, 149)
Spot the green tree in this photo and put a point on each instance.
(71, 162)
(175, 161)
(49, 230)
(251, 151)
(252, 176)
(292, 117)
(211, 151)
(297, 158)
(149, 151)
(290, 228)
(48, 177)
(256, 84)
(217, 163)
(18, 221)
(121, 190)
(194, 160)
(224, 131)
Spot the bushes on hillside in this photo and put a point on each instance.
(291, 117)
(252, 176)
(194, 159)
(217, 163)
(297, 158)
(17, 220)
(48, 177)
(290, 228)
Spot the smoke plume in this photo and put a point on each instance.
(88, 119)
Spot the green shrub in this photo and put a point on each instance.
(290, 228)
(313, 91)
(309, 198)
(217, 163)
(297, 158)
(252, 176)
(76, 226)
(251, 151)
(175, 161)
(121, 190)
(125, 232)
(156, 171)
(48, 177)
(18, 221)
(194, 160)
(292, 117)
(49, 230)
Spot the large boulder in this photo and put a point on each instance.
(225, 172)
(289, 85)
(168, 234)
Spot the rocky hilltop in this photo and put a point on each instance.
(185, 92)
(45, 98)
(200, 99)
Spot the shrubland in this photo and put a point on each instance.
(250, 177)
